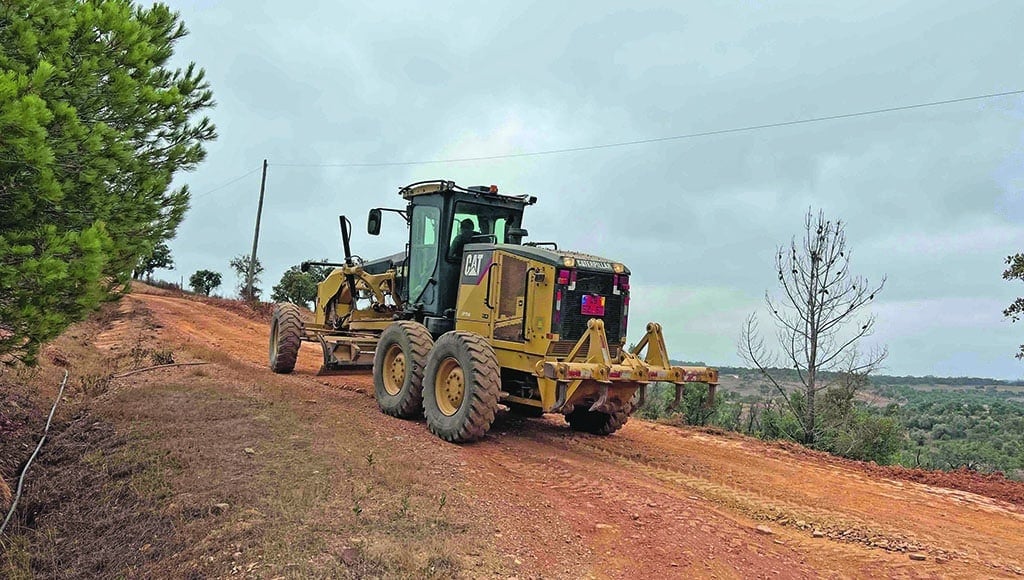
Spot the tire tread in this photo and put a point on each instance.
(484, 388)
(289, 337)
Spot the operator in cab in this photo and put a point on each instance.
(466, 232)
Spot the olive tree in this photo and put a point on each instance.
(299, 287)
(248, 279)
(204, 281)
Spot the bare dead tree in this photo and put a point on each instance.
(818, 315)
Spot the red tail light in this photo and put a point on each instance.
(563, 277)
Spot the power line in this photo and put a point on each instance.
(662, 139)
(223, 185)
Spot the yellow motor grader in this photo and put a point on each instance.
(470, 319)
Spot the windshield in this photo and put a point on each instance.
(472, 219)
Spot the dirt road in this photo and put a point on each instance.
(655, 500)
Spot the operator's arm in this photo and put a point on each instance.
(455, 250)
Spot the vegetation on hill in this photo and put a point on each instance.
(976, 429)
(923, 424)
(790, 375)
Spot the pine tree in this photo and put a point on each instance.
(94, 125)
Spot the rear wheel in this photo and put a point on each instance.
(398, 368)
(461, 387)
(582, 419)
(285, 337)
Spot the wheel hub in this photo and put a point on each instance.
(394, 370)
(449, 386)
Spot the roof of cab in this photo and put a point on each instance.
(441, 186)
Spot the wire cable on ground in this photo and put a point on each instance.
(24, 471)
(662, 139)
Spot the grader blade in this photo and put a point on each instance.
(344, 371)
(346, 353)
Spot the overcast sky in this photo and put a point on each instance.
(932, 197)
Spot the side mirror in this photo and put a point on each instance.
(373, 224)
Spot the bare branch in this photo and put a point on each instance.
(753, 350)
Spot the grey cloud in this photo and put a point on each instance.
(931, 197)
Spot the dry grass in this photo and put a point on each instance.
(295, 511)
(5, 495)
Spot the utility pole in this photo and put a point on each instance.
(256, 235)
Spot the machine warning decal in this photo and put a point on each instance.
(475, 266)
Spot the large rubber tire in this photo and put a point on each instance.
(398, 368)
(582, 419)
(466, 357)
(285, 337)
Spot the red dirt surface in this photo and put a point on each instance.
(660, 501)
(993, 485)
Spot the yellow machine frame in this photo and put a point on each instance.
(588, 371)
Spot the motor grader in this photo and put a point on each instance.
(470, 320)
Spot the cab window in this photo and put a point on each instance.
(486, 220)
(422, 249)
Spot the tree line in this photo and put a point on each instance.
(295, 286)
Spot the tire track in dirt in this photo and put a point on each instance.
(654, 500)
(802, 517)
(637, 530)
(859, 505)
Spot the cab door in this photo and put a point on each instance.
(424, 238)
(510, 301)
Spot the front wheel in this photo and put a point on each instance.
(398, 368)
(285, 337)
(461, 387)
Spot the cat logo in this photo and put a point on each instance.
(473, 263)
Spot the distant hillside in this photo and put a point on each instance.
(789, 375)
